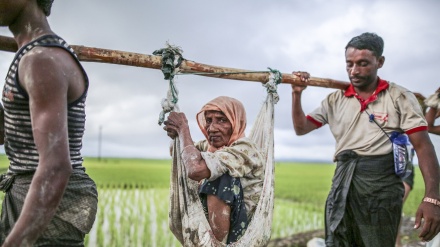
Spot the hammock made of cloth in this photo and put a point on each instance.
(433, 101)
(187, 219)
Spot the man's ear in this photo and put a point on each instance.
(381, 61)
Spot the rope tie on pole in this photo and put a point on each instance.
(275, 77)
(171, 60)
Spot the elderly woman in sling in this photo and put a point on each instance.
(228, 165)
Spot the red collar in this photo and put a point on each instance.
(381, 86)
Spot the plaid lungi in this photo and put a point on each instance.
(365, 202)
(74, 217)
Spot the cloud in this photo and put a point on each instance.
(124, 102)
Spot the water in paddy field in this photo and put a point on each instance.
(132, 218)
(139, 217)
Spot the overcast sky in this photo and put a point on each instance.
(250, 34)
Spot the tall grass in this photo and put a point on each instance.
(133, 217)
(294, 217)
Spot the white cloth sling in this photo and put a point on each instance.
(433, 101)
(187, 220)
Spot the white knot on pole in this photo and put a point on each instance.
(171, 60)
(272, 85)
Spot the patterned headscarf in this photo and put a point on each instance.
(233, 110)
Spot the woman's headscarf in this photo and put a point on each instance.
(233, 110)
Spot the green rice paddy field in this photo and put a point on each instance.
(133, 200)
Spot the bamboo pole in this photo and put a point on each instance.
(7, 44)
(99, 55)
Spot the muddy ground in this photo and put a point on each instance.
(409, 237)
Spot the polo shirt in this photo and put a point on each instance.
(394, 108)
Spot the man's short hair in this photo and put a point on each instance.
(368, 41)
(45, 5)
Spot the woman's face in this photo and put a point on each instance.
(218, 127)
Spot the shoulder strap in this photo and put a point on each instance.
(371, 117)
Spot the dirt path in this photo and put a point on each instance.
(409, 237)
